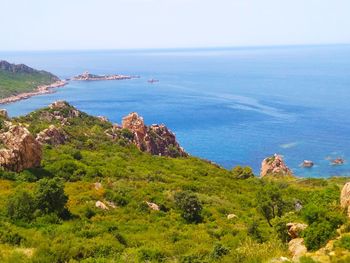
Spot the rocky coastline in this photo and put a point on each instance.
(40, 90)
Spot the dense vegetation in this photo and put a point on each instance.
(48, 214)
(12, 83)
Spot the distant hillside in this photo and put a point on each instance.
(15, 79)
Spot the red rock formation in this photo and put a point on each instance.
(155, 139)
(52, 136)
(274, 165)
(19, 149)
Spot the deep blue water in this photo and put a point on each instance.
(232, 106)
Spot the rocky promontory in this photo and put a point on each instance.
(19, 81)
(155, 139)
(274, 165)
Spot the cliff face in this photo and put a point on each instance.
(19, 149)
(155, 139)
(274, 165)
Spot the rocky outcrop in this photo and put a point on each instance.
(295, 229)
(61, 111)
(52, 135)
(297, 248)
(155, 139)
(19, 149)
(3, 113)
(274, 165)
(345, 198)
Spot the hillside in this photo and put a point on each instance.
(122, 202)
(15, 79)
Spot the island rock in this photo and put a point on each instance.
(155, 139)
(274, 165)
(20, 149)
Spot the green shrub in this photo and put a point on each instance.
(343, 242)
(190, 206)
(21, 206)
(50, 196)
(240, 172)
(317, 234)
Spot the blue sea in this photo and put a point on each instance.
(234, 106)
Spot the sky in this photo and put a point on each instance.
(134, 24)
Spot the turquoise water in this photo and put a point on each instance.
(232, 106)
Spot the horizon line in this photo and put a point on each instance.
(177, 48)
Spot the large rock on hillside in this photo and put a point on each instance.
(345, 198)
(52, 135)
(297, 248)
(274, 165)
(295, 229)
(4, 114)
(19, 149)
(155, 139)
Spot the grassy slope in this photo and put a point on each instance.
(15, 83)
(131, 232)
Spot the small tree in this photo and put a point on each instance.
(50, 196)
(21, 206)
(190, 206)
(270, 202)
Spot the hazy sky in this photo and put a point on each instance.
(113, 24)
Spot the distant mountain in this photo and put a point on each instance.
(15, 79)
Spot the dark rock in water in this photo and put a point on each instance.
(338, 161)
(307, 164)
(155, 139)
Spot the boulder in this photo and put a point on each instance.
(101, 205)
(294, 229)
(102, 118)
(231, 216)
(19, 149)
(52, 135)
(98, 186)
(345, 198)
(153, 206)
(3, 113)
(274, 165)
(297, 248)
(155, 139)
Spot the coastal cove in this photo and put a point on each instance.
(232, 106)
